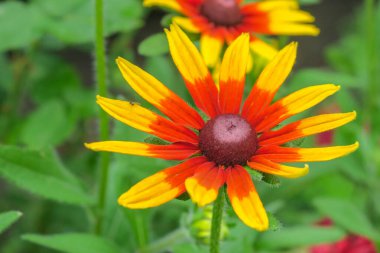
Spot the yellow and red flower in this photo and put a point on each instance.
(222, 21)
(235, 135)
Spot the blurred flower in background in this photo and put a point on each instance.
(349, 244)
(222, 21)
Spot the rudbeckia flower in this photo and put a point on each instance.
(222, 21)
(234, 137)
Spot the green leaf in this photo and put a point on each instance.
(8, 218)
(154, 45)
(274, 223)
(122, 16)
(309, 2)
(347, 215)
(255, 174)
(73, 243)
(271, 180)
(298, 237)
(47, 126)
(313, 76)
(155, 140)
(184, 196)
(15, 32)
(42, 174)
(295, 144)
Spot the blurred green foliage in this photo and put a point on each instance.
(48, 110)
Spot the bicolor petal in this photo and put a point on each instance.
(269, 82)
(147, 121)
(284, 154)
(267, 166)
(294, 103)
(160, 187)
(306, 127)
(232, 75)
(194, 71)
(204, 186)
(159, 95)
(175, 151)
(244, 198)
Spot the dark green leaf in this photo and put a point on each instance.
(41, 174)
(295, 144)
(154, 45)
(184, 196)
(73, 243)
(298, 237)
(271, 180)
(155, 140)
(8, 218)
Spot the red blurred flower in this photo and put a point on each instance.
(349, 244)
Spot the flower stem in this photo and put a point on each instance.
(100, 61)
(217, 217)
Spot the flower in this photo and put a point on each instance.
(216, 151)
(220, 21)
(350, 244)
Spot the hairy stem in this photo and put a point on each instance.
(100, 61)
(217, 217)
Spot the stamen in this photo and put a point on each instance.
(228, 140)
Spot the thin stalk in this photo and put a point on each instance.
(167, 242)
(100, 61)
(217, 217)
(371, 58)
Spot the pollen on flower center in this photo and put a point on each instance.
(222, 12)
(228, 140)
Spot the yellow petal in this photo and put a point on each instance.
(245, 200)
(284, 154)
(193, 70)
(277, 4)
(160, 187)
(293, 29)
(263, 49)
(186, 24)
(159, 95)
(175, 151)
(306, 127)
(185, 55)
(204, 186)
(232, 74)
(269, 81)
(145, 120)
(171, 4)
(294, 103)
(267, 166)
(210, 49)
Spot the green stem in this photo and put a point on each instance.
(100, 61)
(371, 56)
(217, 217)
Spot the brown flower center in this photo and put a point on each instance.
(228, 140)
(222, 12)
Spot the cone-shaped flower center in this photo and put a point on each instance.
(222, 12)
(228, 140)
